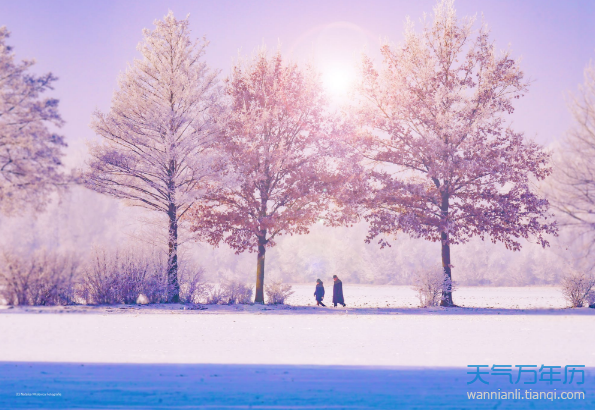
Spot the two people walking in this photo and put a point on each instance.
(337, 292)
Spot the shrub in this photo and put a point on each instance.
(229, 292)
(576, 287)
(192, 288)
(121, 276)
(215, 295)
(236, 292)
(277, 293)
(41, 278)
(429, 285)
(108, 277)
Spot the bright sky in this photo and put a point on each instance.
(87, 43)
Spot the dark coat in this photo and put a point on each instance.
(319, 292)
(338, 292)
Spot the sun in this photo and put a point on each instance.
(338, 80)
(335, 50)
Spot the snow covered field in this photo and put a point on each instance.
(368, 355)
(386, 296)
(375, 296)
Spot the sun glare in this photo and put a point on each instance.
(335, 49)
(338, 81)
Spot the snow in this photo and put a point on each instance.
(385, 296)
(375, 296)
(242, 387)
(364, 356)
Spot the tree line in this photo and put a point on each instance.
(423, 146)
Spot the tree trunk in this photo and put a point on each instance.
(447, 293)
(259, 297)
(172, 257)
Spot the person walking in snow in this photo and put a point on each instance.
(319, 293)
(338, 292)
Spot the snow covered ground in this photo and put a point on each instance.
(380, 296)
(379, 352)
(375, 296)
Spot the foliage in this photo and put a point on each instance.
(277, 293)
(442, 163)
(276, 147)
(576, 287)
(157, 137)
(431, 285)
(30, 154)
(236, 291)
(574, 176)
(192, 288)
(39, 278)
(228, 292)
(215, 295)
(122, 275)
(113, 277)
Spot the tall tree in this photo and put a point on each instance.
(30, 154)
(574, 176)
(277, 152)
(444, 165)
(157, 149)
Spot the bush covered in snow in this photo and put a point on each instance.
(576, 286)
(106, 277)
(277, 293)
(120, 276)
(228, 292)
(214, 295)
(429, 285)
(192, 287)
(142, 300)
(40, 278)
(237, 292)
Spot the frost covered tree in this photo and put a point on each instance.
(30, 153)
(574, 176)
(277, 151)
(157, 138)
(444, 164)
